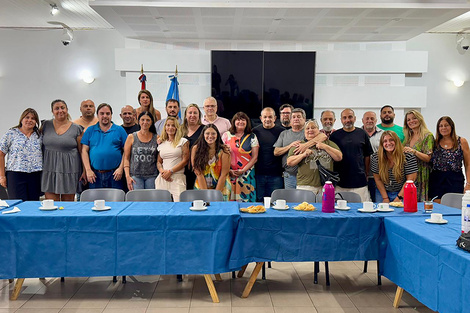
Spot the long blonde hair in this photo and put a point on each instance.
(398, 158)
(179, 132)
(423, 129)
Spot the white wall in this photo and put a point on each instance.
(35, 68)
(444, 98)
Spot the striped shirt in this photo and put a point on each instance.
(410, 167)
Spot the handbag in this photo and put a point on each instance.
(464, 242)
(327, 175)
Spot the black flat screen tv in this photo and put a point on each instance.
(248, 81)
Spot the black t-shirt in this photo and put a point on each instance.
(267, 163)
(192, 139)
(355, 146)
(131, 129)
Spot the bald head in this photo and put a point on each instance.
(128, 116)
(87, 108)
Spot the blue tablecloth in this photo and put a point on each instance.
(399, 212)
(75, 241)
(291, 235)
(422, 258)
(168, 238)
(11, 204)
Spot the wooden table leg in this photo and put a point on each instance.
(218, 277)
(242, 271)
(211, 287)
(17, 289)
(252, 280)
(398, 295)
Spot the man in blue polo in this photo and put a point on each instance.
(102, 147)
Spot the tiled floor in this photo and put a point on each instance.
(288, 288)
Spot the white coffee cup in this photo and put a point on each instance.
(267, 202)
(47, 204)
(436, 217)
(383, 206)
(342, 204)
(368, 206)
(199, 204)
(100, 204)
(280, 204)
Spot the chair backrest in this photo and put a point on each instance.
(319, 197)
(203, 194)
(149, 195)
(107, 194)
(349, 196)
(293, 195)
(3, 193)
(452, 199)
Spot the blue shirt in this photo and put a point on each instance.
(105, 147)
(24, 154)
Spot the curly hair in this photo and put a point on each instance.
(201, 155)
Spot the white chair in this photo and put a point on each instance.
(453, 200)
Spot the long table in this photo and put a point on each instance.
(424, 260)
(167, 238)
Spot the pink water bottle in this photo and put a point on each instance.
(410, 197)
(328, 199)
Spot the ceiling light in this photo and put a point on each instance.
(87, 77)
(458, 82)
(54, 9)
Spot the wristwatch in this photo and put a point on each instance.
(400, 197)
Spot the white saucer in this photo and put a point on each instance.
(103, 209)
(195, 209)
(428, 220)
(281, 209)
(385, 210)
(342, 209)
(367, 211)
(48, 209)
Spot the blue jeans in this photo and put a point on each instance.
(290, 181)
(391, 195)
(144, 182)
(265, 185)
(105, 180)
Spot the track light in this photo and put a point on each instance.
(54, 9)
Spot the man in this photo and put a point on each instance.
(327, 119)
(88, 118)
(129, 120)
(102, 146)
(285, 112)
(172, 109)
(369, 121)
(387, 115)
(211, 117)
(268, 168)
(290, 138)
(356, 148)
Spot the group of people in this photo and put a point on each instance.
(61, 157)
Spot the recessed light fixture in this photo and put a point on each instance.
(54, 9)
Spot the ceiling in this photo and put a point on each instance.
(257, 20)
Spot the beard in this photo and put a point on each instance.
(328, 128)
(349, 126)
(387, 122)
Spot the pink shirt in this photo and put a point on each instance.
(222, 124)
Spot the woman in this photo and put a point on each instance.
(22, 143)
(308, 177)
(211, 162)
(192, 128)
(140, 154)
(392, 168)
(62, 165)
(146, 104)
(173, 157)
(244, 149)
(420, 142)
(450, 152)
